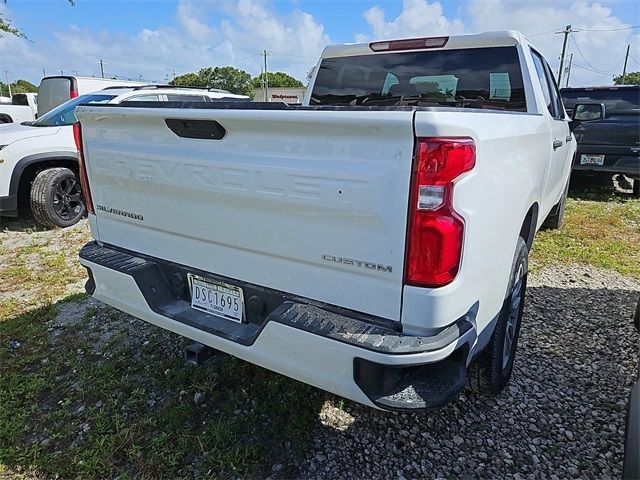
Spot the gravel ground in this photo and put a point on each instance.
(562, 416)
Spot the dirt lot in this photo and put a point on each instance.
(86, 391)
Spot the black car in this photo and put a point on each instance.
(610, 144)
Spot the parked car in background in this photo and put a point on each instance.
(609, 143)
(23, 108)
(372, 242)
(39, 162)
(56, 90)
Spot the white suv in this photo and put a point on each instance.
(39, 160)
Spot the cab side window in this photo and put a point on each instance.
(555, 93)
(544, 81)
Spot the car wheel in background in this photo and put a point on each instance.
(636, 187)
(491, 371)
(56, 198)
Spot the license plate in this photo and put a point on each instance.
(217, 298)
(592, 160)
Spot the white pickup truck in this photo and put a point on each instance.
(372, 242)
(23, 108)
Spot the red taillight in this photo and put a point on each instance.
(82, 169)
(434, 246)
(408, 44)
(73, 93)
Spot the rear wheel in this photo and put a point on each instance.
(56, 199)
(492, 369)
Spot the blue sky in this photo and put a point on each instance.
(151, 38)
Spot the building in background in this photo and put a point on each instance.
(280, 94)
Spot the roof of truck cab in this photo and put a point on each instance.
(504, 38)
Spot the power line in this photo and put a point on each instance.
(584, 30)
(605, 29)
(290, 55)
(248, 58)
(631, 57)
(610, 70)
(543, 33)
(582, 67)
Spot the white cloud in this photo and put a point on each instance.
(248, 27)
(189, 17)
(418, 18)
(602, 51)
(295, 39)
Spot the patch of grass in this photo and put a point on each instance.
(601, 233)
(43, 265)
(132, 414)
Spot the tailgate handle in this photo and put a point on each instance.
(204, 129)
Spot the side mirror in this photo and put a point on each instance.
(585, 112)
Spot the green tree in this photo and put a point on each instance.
(277, 79)
(7, 29)
(227, 78)
(19, 86)
(189, 80)
(631, 78)
(23, 86)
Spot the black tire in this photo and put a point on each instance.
(491, 371)
(56, 199)
(556, 216)
(636, 188)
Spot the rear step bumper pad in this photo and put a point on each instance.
(393, 370)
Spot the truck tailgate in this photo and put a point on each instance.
(313, 203)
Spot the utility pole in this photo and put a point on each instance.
(266, 77)
(101, 68)
(6, 72)
(61, 72)
(566, 31)
(569, 69)
(624, 69)
(44, 74)
(174, 74)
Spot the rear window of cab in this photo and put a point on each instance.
(489, 78)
